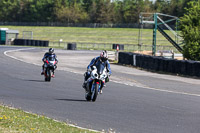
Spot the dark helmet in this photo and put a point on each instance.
(51, 50)
(104, 56)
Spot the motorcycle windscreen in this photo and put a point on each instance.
(100, 67)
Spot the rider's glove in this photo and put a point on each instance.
(89, 69)
(109, 74)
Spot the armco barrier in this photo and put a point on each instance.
(182, 67)
(28, 42)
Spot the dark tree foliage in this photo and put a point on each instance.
(86, 11)
(190, 27)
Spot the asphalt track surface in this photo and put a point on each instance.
(134, 101)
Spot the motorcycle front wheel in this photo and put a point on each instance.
(48, 75)
(95, 93)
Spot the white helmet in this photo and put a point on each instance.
(104, 56)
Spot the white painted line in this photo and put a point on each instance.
(9, 51)
(175, 92)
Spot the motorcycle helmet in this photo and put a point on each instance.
(51, 50)
(104, 56)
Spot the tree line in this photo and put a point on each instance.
(86, 11)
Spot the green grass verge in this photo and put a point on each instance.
(91, 35)
(79, 34)
(16, 120)
(96, 38)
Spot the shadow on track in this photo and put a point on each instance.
(32, 80)
(74, 100)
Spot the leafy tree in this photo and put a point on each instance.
(81, 11)
(36, 11)
(71, 12)
(190, 27)
(9, 10)
(93, 12)
(87, 4)
(118, 11)
(102, 11)
(147, 6)
(44, 10)
(78, 14)
(130, 8)
(105, 11)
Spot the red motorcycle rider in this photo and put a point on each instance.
(46, 55)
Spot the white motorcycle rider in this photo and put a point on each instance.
(97, 75)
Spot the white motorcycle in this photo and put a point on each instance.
(95, 82)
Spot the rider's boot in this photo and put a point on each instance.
(101, 91)
(85, 80)
(103, 85)
(84, 84)
(53, 76)
(42, 72)
(87, 88)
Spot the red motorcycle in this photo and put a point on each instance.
(49, 67)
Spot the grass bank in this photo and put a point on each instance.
(90, 35)
(16, 120)
(96, 38)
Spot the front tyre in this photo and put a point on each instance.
(48, 75)
(95, 93)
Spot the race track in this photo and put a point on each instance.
(134, 101)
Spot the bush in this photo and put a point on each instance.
(190, 27)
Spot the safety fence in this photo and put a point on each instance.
(153, 63)
(110, 46)
(91, 46)
(90, 25)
